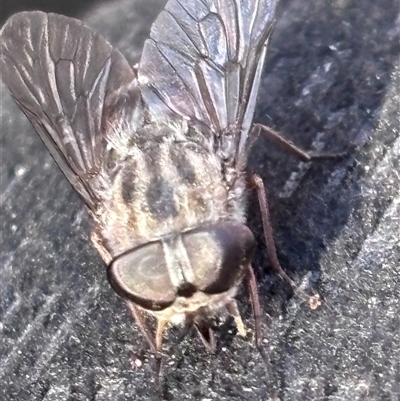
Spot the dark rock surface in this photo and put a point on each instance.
(331, 84)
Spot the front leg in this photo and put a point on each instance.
(140, 319)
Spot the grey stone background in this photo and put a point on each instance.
(331, 84)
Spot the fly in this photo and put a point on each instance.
(157, 152)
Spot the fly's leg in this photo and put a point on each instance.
(206, 335)
(154, 343)
(233, 310)
(290, 147)
(258, 184)
(257, 314)
(161, 325)
(141, 322)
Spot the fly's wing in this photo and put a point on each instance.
(203, 62)
(71, 84)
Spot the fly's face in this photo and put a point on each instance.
(186, 272)
(156, 152)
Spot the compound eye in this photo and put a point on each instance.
(142, 277)
(218, 255)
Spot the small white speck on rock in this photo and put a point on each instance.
(20, 171)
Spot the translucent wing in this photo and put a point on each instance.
(68, 81)
(203, 61)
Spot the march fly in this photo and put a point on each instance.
(157, 151)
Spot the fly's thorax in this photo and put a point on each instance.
(182, 273)
(165, 181)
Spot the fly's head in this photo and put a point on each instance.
(186, 277)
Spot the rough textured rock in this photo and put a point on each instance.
(331, 84)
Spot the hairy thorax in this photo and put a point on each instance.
(163, 184)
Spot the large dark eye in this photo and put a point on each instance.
(142, 277)
(218, 255)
